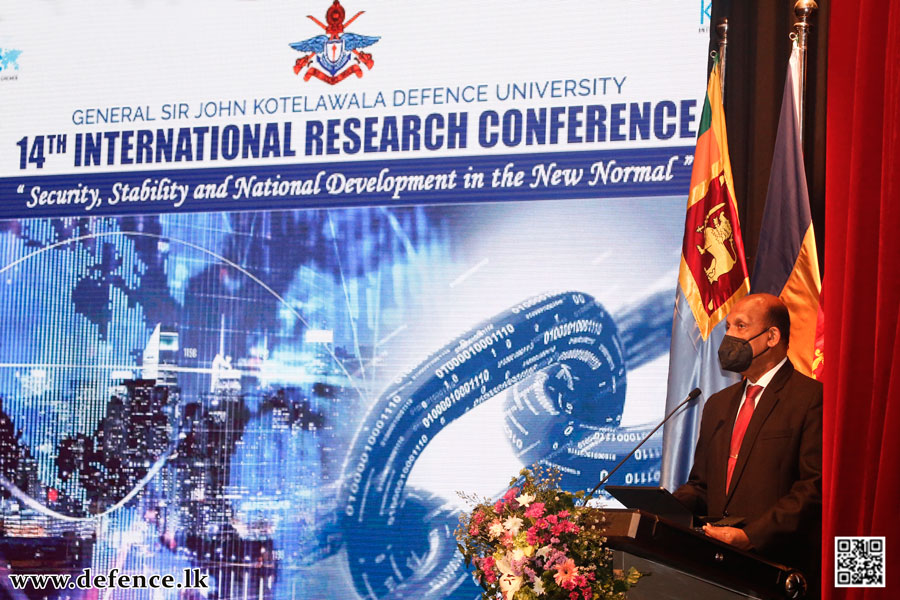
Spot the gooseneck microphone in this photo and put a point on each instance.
(693, 395)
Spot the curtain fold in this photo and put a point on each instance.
(862, 282)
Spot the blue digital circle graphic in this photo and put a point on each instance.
(563, 357)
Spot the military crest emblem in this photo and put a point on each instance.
(336, 54)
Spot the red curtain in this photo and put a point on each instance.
(861, 459)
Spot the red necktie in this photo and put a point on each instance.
(740, 428)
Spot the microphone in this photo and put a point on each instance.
(692, 396)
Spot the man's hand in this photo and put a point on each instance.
(730, 535)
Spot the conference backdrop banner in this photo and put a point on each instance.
(277, 279)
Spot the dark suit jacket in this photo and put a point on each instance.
(777, 481)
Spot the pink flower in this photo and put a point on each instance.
(564, 527)
(473, 530)
(478, 517)
(498, 506)
(536, 510)
(531, 536)
(508, 498)
(562, 514)
(508, 539)
(487, 565)
(566, 572)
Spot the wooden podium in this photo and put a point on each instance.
(685, 564)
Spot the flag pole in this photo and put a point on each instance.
(803, 10)
(722, 32)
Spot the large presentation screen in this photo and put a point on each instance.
(277, 279)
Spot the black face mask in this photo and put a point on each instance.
(736, 354)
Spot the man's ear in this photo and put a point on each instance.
(774, 336)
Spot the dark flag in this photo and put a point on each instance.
(786, 263)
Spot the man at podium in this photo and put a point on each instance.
(757, 473)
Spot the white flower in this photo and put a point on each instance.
(538, 587)
(544, 551)
(513, 524)
(496, 529)
(509, 585)
(503, 566)
(525, 499)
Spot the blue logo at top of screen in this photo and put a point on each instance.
(337, 54)
(705, 11)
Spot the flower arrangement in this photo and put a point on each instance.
(539, 542)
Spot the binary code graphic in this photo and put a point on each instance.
(859, 561)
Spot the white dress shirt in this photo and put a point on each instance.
(763, 381)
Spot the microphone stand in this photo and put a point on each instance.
(694, 393)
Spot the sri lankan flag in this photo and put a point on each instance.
(712, 277)
(787, 264)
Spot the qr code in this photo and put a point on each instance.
(859, 562)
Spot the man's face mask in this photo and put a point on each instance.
(736, 354)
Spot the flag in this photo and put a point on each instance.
(786, 262)
(711, 278)
(818, 364)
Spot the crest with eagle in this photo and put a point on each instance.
(334, 50)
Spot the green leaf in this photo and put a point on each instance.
(525, 593)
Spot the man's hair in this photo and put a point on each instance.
(779, 317)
